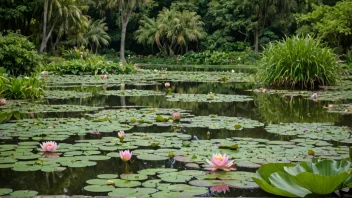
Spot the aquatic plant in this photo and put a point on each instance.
(24, 88)
(2, 101)
(317, 176)
(219, 161)
(121, 135)
(298, 62)
(125, 155)
(167, 85)
(49, 146)
(176, 116)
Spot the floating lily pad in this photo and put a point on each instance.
(5, 191)
(99, 188)
(126, 183)
(133, 92)
(108, 176)
(151, 157)
(24, 193)
(134, 177)
(132, 192)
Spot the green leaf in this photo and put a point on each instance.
(320, 184)
(272, 189)
(284, 182)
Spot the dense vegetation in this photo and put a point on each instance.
(187, 32)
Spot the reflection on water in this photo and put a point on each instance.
(265, 108)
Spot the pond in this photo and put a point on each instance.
(221, 112)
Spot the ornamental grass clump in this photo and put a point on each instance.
(298, 62)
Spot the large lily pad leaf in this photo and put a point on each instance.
(320, 184)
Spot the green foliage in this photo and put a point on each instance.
(18, 55)
(321, 177)
(298, 61)
(22, 87)
(331, 23)
(172, 31)
(220, 58)
(91, 64)
(77, 53)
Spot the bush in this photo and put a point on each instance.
(247, 57)
(93, 65)
(298, 62)
(18, 55)
(22, 87)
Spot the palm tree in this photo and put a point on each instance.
(125, 8)
(172, 31)
(94, 36)
(61, 14)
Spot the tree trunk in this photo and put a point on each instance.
(45, 18)
(256, 41)
(123, 38)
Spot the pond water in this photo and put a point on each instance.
(204, 126)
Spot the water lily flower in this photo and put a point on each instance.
(95, 133)
(167, 85)
(233, 71)
(314, 96)
(109, 182)
(125, 155)
(105, 76)
(49, 146)
(31, 87)
(211, 94)
(43, 73)
(121, 135)
(176, 116)
(239, 58)
(219, 161)
(2, 101)
(220, 188)
(330, 106)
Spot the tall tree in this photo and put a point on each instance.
(330, 23)
(60, 14)
(125, 8)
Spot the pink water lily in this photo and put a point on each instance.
(2, 101)
(104, 76)
(125, 155)
(219, 161)
(176, 116)
(49, 146)
(31, 87)
(167, 85)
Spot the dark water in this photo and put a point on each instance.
(265, 108)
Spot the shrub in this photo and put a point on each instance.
(22, 87)
(93, 65)
(18, 55)
(247, 57)
(298, 62)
